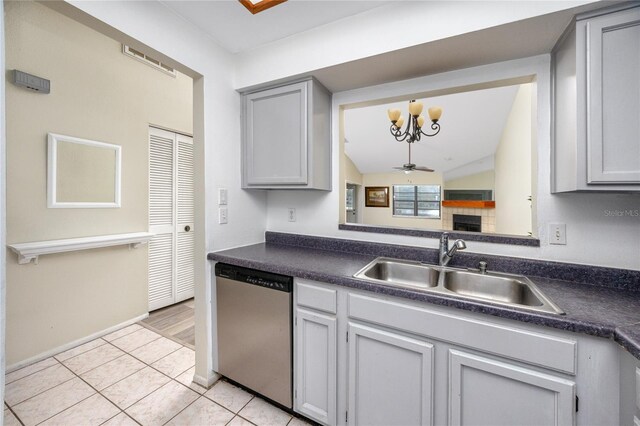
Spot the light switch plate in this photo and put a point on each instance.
(222, 196)
(558, 233)
(223, 215)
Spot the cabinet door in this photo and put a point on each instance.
(484, 391)
(638, 388)
(629, 387)
(315, 374)
(276, 136)
(390, 378)
(613, 98)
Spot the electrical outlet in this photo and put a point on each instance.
(223, 215)
(292, 214)
(222, 196)
(558, 233)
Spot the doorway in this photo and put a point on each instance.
(351, 202)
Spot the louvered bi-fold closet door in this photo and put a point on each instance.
(170, 218)
(185, 200)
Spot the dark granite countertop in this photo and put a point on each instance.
(629, 338)
(606, 312)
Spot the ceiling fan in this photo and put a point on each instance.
(409, 167)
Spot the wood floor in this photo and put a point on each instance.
(176, 322)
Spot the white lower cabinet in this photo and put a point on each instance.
(483, 391)
(390, 378)
(629, 389)
(315, 374)
(369, 359)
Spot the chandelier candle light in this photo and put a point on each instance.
(414, 126)
(413, 131)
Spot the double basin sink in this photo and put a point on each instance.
(504, 289)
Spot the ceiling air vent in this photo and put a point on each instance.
(136, 54)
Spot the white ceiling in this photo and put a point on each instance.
(472, 124)
(234, 28)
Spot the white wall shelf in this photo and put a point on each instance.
(31, 251)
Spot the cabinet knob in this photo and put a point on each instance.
(187, 228)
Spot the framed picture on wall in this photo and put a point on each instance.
(376, 196)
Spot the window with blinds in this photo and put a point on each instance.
(417, 201)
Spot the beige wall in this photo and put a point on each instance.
(513, 168)
(100, 94)
(383, 216)
(352, 174)
(482, 180)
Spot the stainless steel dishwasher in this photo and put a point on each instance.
(255, 331)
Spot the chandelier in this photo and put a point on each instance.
(413, 131)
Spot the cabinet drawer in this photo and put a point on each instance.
(527, 346)
(312, 295)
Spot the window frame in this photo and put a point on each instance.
(415, 202)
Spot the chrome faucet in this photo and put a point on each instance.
(447, 253)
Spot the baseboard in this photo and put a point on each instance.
(73, 344)
(208, 381)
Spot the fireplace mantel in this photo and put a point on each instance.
(469, 204)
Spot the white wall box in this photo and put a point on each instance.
(397, 361)
(596, 137)
(286, 137)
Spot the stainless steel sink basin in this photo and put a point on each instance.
(510, 290)
(504, 289)
(400, 272)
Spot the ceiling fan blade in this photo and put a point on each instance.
(399, 168)
(424, 169)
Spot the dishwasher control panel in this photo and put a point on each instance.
(255, 277)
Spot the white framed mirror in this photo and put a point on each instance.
(82, 173)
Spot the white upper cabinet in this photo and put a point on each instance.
(286, 140)
(596, 69)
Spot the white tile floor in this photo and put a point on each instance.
(129, 377)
